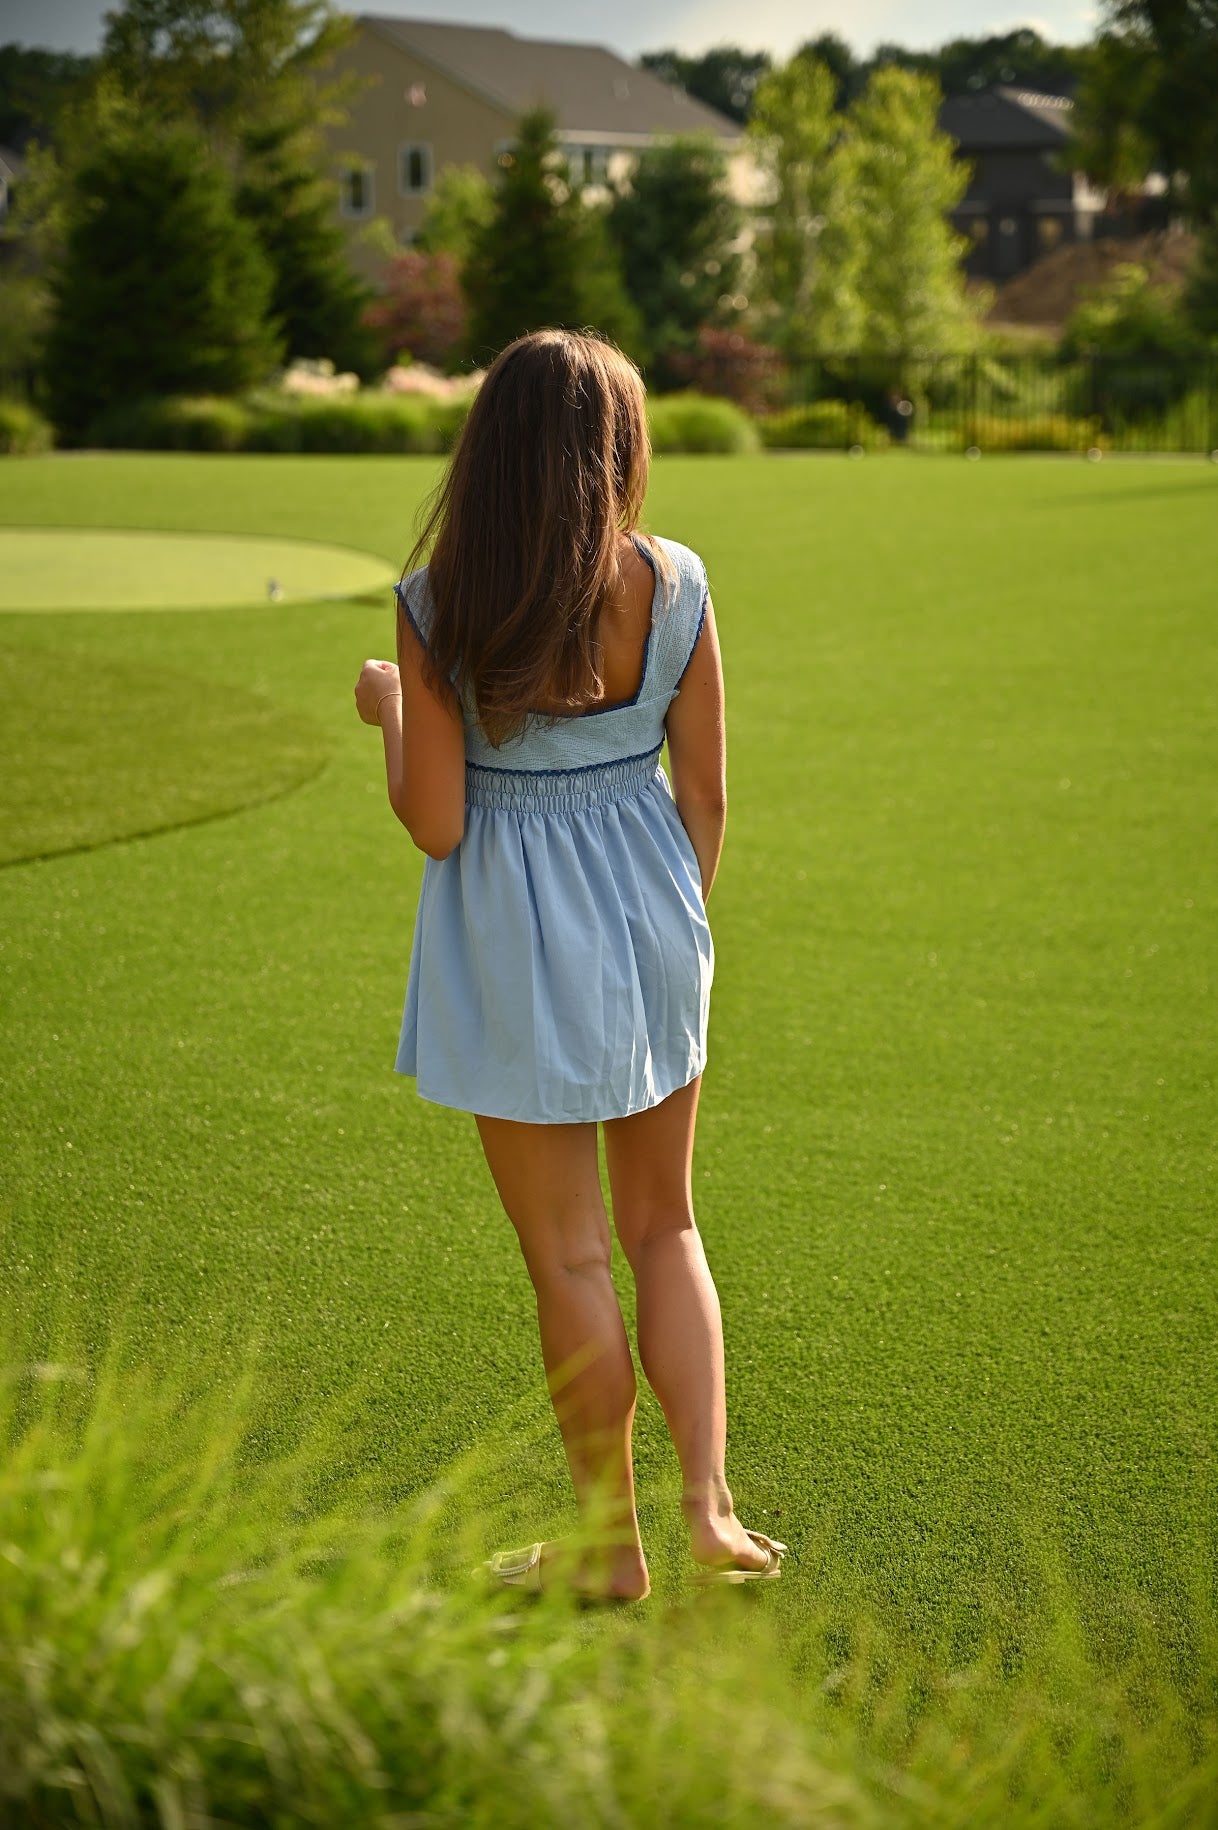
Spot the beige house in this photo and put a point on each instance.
(437, 95)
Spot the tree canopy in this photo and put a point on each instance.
(162, 287)
(675, 226)
(543, 257)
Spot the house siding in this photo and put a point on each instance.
(461, 129)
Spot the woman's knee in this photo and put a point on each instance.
(641, 1227)
(558, 1258)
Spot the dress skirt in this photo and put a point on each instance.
(562, 961)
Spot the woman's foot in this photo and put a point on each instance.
(717, 1539)
(617, 1573)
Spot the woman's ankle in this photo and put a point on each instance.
(709, 1499)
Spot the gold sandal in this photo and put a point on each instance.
(710, 1577)
(521, 1569)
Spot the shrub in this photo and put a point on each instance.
(728, 363)
(369, 423)
(422, 309)
(1034, 432)
(273, 421)
(824, 425)
(178, 423)
(696, 422)
(23, 431)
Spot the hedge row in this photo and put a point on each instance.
(416, 424)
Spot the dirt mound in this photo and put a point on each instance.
(1046, 293)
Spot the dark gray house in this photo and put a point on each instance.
(1023, 200)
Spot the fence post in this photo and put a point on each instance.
(971, 437)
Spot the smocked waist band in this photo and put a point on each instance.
(560, 790)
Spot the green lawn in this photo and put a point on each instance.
(957, 1153)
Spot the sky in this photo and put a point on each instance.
(634, 26)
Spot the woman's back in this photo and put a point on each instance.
(616, 728)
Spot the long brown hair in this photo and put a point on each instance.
(523, 531)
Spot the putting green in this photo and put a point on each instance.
(72, 568)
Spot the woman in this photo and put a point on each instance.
(561, 967)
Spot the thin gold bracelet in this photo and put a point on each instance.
(380, 702)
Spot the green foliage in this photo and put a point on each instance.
(856, 251)
(173, 423)
(674, 226)
(35, 86)
(162, 287)
(267, 421)
(964, 65)
(1147, 100)
(698, 423)
(1032, 432)
(25, 310)
(249, 75)
(725, 77)
(1201, 292)
(460, 206)
(897, 179)
(23, 430)
(232, 66)
(1129, 316)
(317, 300)
(822, 425)
(804, 261)
(543, 258)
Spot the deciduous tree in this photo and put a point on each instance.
(804, 260)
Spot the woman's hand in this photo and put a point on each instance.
(377, 678)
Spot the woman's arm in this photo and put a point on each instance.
(424, 738)
(697, 751)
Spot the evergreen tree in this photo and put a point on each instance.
(674, 227)
(249, 74)
(317, 297)
(162, 287)
(543, 257)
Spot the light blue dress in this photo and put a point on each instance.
(561, 965)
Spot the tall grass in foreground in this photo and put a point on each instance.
(190, 1634)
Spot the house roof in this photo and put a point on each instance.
(590, 89)
(1006, 118)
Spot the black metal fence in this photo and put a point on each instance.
(1041, 402)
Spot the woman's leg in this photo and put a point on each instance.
(549, 1183)
(679, 1323)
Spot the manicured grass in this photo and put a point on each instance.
(68, 568)
(956, 1160)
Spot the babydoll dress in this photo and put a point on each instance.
(561, 965)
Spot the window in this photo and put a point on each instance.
(588, 164)
(414, 169)
(355, 191)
